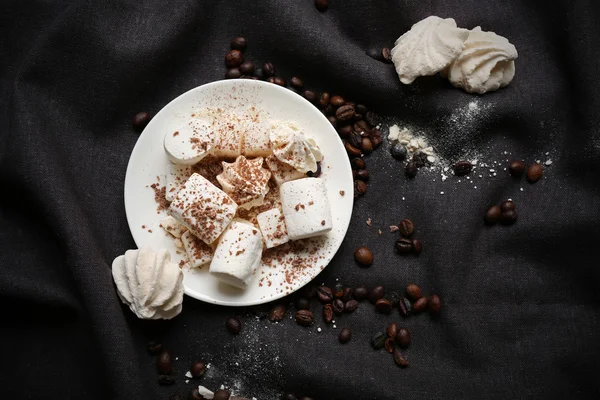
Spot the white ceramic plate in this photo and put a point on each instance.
(148, 160)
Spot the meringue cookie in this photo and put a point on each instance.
(429, 47)
(190, 143)
(292, 147)
(149, 283)
(306, 208)
(486, 64)
(172, 226)
(245, 181)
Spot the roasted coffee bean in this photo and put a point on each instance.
(377, 293)
(357, 117)
(165, 380)
(164, 363)
(407, 227)
(351, 150)
(361, 293)
(234, 325)
(277, 313)
(154, 347)
(268, 69)
(239, 43)
(358, 163)
(392, 330)
(332, 120)
(327, 313)
(394, 298)
(296, 82)
(383, 306)
(234, 58)
(417, 246)
(317, 173)
(535, 173)
(398, 151)
(350, 306)
(411, 169)
(375, 53)
(492, 216)
(507, 205)
(345, 112)
(344, 336)
(345, 130)
(338, 290)
(309, 291)
(399, 359)
(386, 55)
(338, 306)
(197, 369)
(304, 317)
(325, 294)
(363, 256)
(324, 99)
(337, 101)
(462, 168)
(347, 294)
(362, 174)
(140, 120)
(361, 109)
(302, 303)
(194, 395)
(309, 95)
(366, 145)
(435, 304)
(403, 337)
(413, 292)
(247, 68)
(404, 246)
(508, 217)
(355, 139)
(221, 394)
(362, 126)
(378, 340)
(322, 5)
(389, 345)
(276, 80)
(516, 168)
(233, 73)
(258, 72)
(360, 188)
(405, 307)
(372, 119)
(420, 305)
(329, 110)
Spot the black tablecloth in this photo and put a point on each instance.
(520, 304)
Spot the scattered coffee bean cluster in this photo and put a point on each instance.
(355, 124)
(417, 161)
(505, 213)
(406, 245)
(534, 172)
(394, 338)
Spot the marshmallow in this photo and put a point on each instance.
(198, 252)
(229, 132)
(238, 254)
(173, 227)
(190, 143)
(281, 171)
(305, 208)
(177, 174)
(203, 208)
(272, 226)
(256, 142)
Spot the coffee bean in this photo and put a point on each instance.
(361, 293)
(398, 151)
(355, 139)
(383, 306)
(399, 359)
(234, 58)
(394, 298)
(268, 69)
(508, 217)
(392, 330)
(389, 345)
(350, 306)
(435, 304)
(372, 119)
(358, 163)
(325, 294)
(302, 303)
(258, 72)
(322, 5)
(420, 159)
(332, 120)
(507, 205)
(233, 73)
(535, 173)
(165, 380)
(403, 337)
(378, 340)
(405, 307)
(417, 246)
(164, 362)
(407, 227)
(375, 53)
(194, 395)
(492, 216)
(363, 256)
(360, 188)
(362, 174)
(413, 292)
(362, 126)
(352, 151)
(197, 369)
(344, 336)
(309, 95)
(304, 317)
(420, 305)
(247, 68)
(347, 294)
(338, 306)
(276, 80)
(154, 347)
(309, 291)
(337, 101)
(221, 394)
(345, 112)
(296, 82)
(366, 145)
(327, 313)
(338, 290)
(329, 110)
(404, 246)
(345, 130)
(324, 99)
(140, 120)
(386, 55)
(277, 313)
(411, 169)
(516, 168)
(234, 325)
(462, 168)
(239, 43)
(361, 109)
(377, 293)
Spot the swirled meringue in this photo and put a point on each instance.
(149, 283)
(292, 147)
(486, 64)
(245, 181)
(429, 47)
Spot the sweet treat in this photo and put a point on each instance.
(245, 181)
(176, 176)
(272, 226)
(292, 147)
(281, 171)
(172, 226)
(229, 137)
(149, 283)
(203, 208)
(429, 47)
(190, 143)
(305, 208)
(256, 142)
(486, 64)
(238, 254)
(198, 252)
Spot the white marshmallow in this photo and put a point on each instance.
(229, 132)
(305, 208)
(177, 174)
(178, 243)
(203, 208)
(272, 226)
(190, 143)
(281, 171)
(256, 142)
(173, 227)
(238, 254)
(198, 252)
